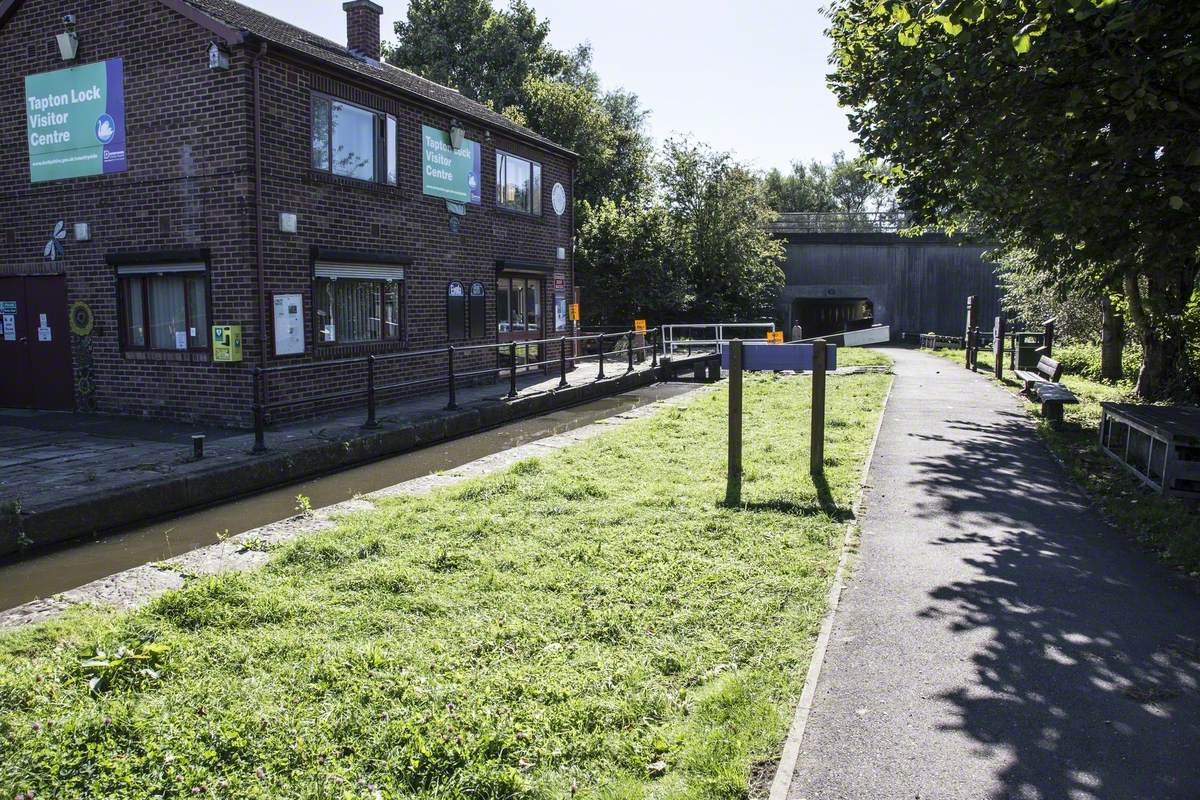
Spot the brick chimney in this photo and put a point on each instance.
(362, 27)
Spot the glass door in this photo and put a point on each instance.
(519, 316)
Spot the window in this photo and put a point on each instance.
(359, 304)
(518, 183)
(352, 141)
(164, 306)
(519, 306)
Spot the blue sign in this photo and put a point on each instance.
(75, 121)
(759, 356)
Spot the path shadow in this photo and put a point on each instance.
(1088, 682)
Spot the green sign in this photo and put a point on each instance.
(75, 121)
(446, 172)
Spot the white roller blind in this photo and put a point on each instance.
(155, 269)
(375, 272)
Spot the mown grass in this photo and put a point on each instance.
(592, 624)
(1168, 526)
(861, 357)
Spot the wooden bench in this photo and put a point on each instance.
(1043, 384)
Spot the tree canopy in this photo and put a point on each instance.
(698, 250)
(1063, 126)
(847, 184)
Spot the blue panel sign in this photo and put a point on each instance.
(758, 356)
(75, 121)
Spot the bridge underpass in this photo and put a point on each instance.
(848, 270)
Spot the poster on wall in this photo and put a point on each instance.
(560, 312)
(449, 173)
(75, 121)
(289, 324)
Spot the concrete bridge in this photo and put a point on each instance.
(843, 267)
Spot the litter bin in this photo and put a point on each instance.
(1025, 349)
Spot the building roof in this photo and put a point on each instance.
(280, 33)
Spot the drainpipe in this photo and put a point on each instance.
(258, 203)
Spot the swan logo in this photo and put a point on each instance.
(106, 129)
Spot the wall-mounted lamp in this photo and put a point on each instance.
(457, 135)
(287, 222)
(68, 42)
(217, 58)
(83, 232)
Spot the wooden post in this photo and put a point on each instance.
(1048, 338)
(816, 458)
(972, 321)
(733, 483)
(998, 331)
(1112, 340)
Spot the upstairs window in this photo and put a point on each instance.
(352, 141)
(518, 183)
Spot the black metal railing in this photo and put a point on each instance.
(840, 222)
(451, 377)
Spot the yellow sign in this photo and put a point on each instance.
(639, 325)
(775, 337)
(573, 312)
(227, 342)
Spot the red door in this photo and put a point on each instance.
(14, 350)
(35, 344)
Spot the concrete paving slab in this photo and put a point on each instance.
(998, 639)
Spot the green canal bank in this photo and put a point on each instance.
(591, 622)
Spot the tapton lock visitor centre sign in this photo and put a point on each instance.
(75, 121)
(449, 173)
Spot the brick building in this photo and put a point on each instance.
(187, 164)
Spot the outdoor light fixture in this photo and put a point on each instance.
(287, 222)
(457, 135)
(217, 58)
(68, 42)
(562, 254)
(83, 233)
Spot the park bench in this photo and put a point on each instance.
(1043, 384)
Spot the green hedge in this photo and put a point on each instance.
(1084, 360)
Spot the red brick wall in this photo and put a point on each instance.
(190, 185)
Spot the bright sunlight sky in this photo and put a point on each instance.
(744, 76)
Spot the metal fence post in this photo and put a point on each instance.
(260, 420)
(630, 342)
(512, 370)
(371, 423)
(600, 374)
(816, 458)
(451, 405)
(733, 477)
(562, 363)
(654, 347)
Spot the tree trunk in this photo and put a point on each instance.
(1112, 341)
(1165, 372)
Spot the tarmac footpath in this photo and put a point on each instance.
(996, 638)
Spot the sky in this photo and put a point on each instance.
(747, 77)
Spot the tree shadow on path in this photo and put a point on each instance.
(1088, 683)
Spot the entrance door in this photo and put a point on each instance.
(519, 316)
(35, 345)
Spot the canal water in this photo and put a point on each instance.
(75, 564)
